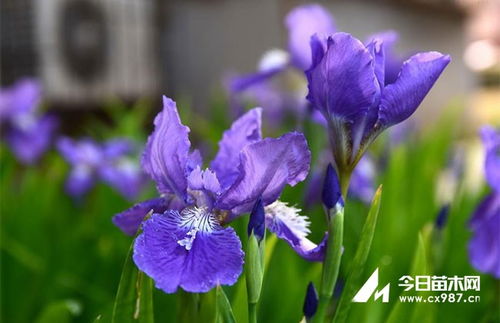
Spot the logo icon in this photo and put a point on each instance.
(369, 288)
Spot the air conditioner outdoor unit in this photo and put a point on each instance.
(90, 50)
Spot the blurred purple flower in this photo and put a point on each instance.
(362, 186)
(110, 162)
(263, 88)
(184, 243)
(347, 85)
(302, 22)
(484, 245)
(27, 134)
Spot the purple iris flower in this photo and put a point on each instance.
(185, 242)
(484, 246)
(263, 88)
(28, 134)
(347, 85)
(110, 162)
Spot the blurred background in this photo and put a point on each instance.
(103, 66)
(85, 51)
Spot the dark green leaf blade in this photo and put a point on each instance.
(134, 299)
(224, 312)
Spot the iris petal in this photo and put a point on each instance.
(165, 158)
(484, 245)
(265, 168)
(343, 85)
(129, 220)
(417, 76)
(303, 22)
(188, 250)
(289, 225)
(491, 141)
(244, 131)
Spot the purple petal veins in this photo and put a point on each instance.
(188, 249)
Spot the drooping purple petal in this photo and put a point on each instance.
(417, 76)
(303, 22)
(265, 168)
(129, 220)
(343, 84)
(29, 142)
(188, 250)
(288, 225)
(491, 142)
(166, 155)
(484, 245)
(244, 131)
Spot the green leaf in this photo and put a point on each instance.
(134, 299)
(416, 312)
(224, 312)
(358, 264)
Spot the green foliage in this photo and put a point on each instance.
(58, 254)
(134, 298)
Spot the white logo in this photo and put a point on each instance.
(369, 288)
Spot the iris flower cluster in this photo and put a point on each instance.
(183, 236)
(111, 162)
(186, 241)
(28, 133)
(484, 246)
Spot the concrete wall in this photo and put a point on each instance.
(203, 39)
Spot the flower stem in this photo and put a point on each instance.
(331, 264)
(252, 312)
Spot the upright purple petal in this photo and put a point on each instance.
(377, 50)
(129, 220)
(417, 76)
(392, 61)
(287, 224)
(343, 84)
(194, 160)
(244, 131)
(166, 155)
(491, 142)
(188, 250)
(303, 22)
(265, 168)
